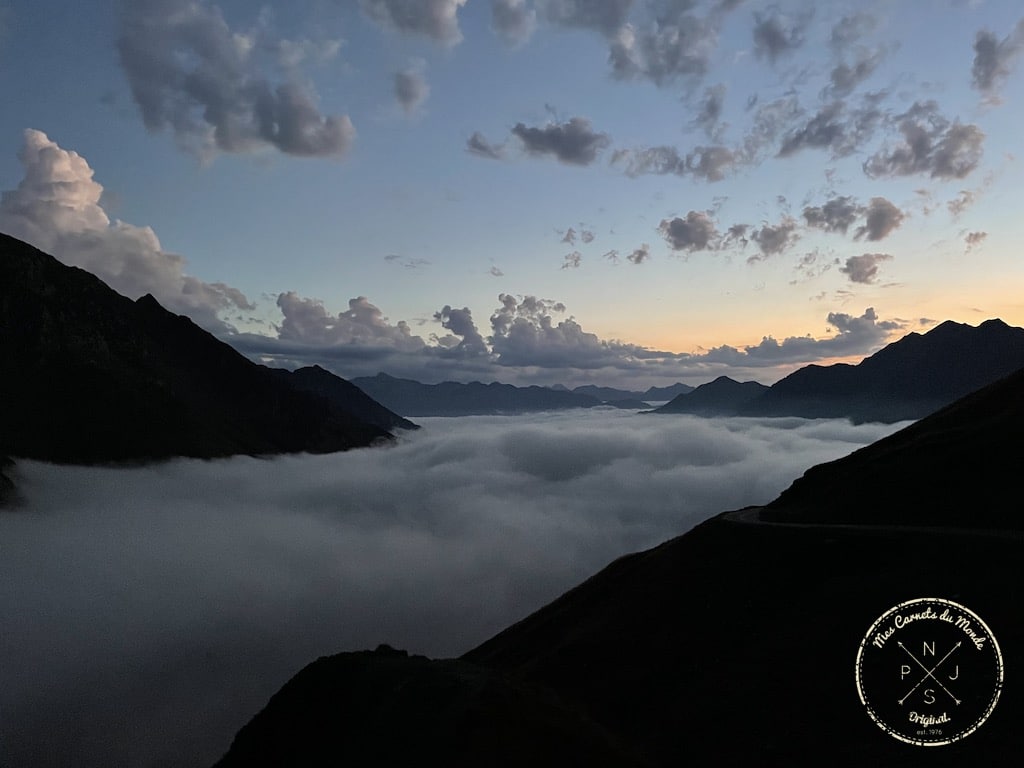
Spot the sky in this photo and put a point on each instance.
(150, 612)
(617, 192)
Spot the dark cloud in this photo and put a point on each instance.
(993, 58)
(573, 142)
(249, 569)
(709, 112)
(436, 19)
(513, 20)
(57, 208)
(605, 16)
(480, 146)
(931, 144)
(640, 255)
(835, 127)
(190, 73)
(864, 268)
(836, 215)
(773, 239)
(735, 235)
(460, 323)
(881, 218)
(411, 87)
(696, 232)
(776, 35)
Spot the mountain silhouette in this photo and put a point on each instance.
(449, 398)
(907, 379)
(721, 397)
(735, 643)
(87, 376)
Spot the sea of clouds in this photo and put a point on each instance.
(146, 614)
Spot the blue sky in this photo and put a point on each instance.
(625, 192)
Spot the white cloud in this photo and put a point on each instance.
(56, 207)
(175, 599)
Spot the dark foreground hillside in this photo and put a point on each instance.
(87, 375)
(734, 644)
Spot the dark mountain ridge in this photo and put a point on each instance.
(721, 397)
(89, 376)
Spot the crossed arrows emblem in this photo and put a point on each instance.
(929, 673)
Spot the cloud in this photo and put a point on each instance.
(569, 236)
(586, 236)
(674, 44)
(776, 35)
(481, 147)
(993, 58)
(605, 16)
(850, 29)
(707, 163)
(573, 142)
(640, 255)
(460, 323)
(495, 272)
(249, 569)
(835, 127)
(191, 73)
(572, 260)
(931, 145)
(773, 239)
(881, 218)
(864, 268)
(696, 232)
(56, 207)
(973, 240)
(411, 86)
(844, 77)
(435, 19)
(836, 215)
(513, 21)
(307, 321)
(709, 112)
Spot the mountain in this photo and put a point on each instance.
(608, 394)
(87, 375)
(735, 644)
(411, 398)
(344, 395)
(721, 397)
(666, 393)
(907, 379)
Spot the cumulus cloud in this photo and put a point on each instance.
(773, 239)
(835, 127)
(56, 207)
(513, 20)
(478, 145)
(836, 215)
(572, 260)
(864, 268)
(695, 232)
(881, 218)
(249, 569)
(411, 86)
(993, 58)
(573, 142)
(460, 323)
(307, 321)
(931, 144)
(435, 19)
(776, 35)
(191, 73)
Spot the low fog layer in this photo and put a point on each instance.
(148, 613)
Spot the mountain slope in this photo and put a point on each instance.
(721, 397)
(907, 379)
(87, 375)
(449, 398)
